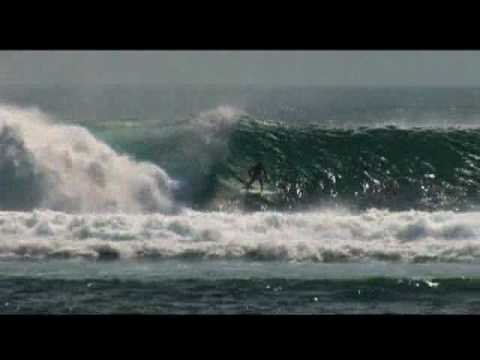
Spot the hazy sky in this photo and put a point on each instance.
(330, 68)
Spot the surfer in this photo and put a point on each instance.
(257, 172)
(392, 187)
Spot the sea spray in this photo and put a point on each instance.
(64, 167)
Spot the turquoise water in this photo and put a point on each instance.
(430, 168)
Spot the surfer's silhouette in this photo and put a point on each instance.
(392, 187)
(257, 172)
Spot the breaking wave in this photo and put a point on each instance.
(364, 167)
(61, 167)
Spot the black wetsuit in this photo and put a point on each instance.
(257, 172)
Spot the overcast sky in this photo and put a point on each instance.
(266, 68)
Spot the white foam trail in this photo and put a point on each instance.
(325, 236)
(83, 174)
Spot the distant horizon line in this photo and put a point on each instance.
(230, 85)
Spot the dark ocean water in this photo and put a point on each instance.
(220, 287)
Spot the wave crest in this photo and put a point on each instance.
(66, 168)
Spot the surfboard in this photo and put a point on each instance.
(234, 186)
(257, 200)
(267, 196)
(258, 192)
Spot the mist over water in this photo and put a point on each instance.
(331, 106)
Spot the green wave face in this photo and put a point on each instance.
(311, 166)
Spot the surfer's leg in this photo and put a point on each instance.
(260, 180)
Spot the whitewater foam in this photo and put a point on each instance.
(322, 236)
(68, 169)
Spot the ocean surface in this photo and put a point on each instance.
(371, 206)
